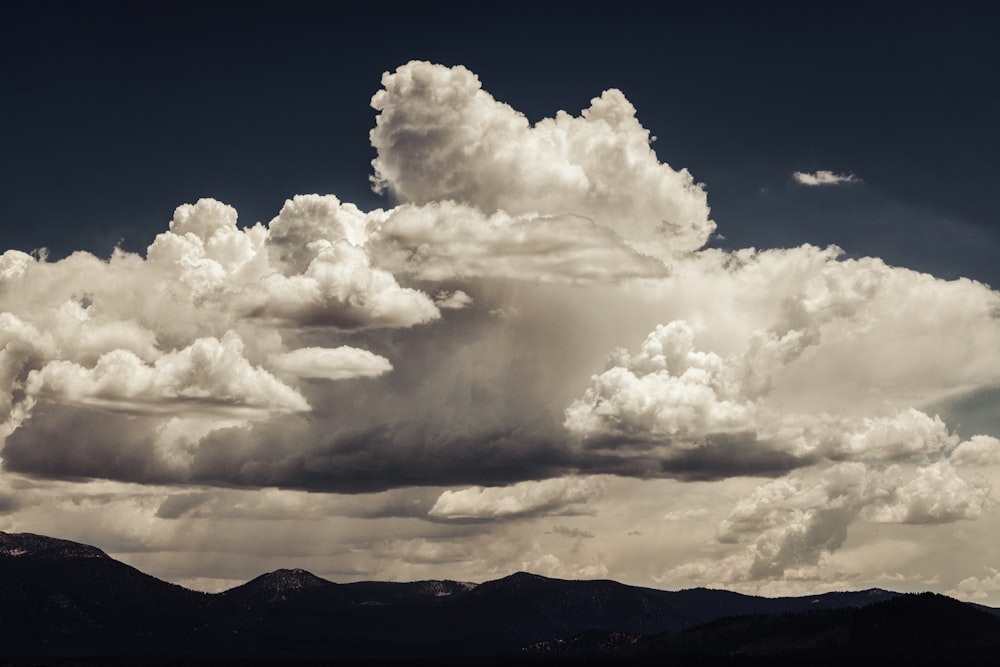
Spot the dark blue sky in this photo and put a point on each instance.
(114, 114)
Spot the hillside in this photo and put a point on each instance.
(65, 600)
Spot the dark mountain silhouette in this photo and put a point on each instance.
(923, 628)
(64, 600)
(31, 547)
(303, 590)
(278, 586)
(526, 608)
(918, 628)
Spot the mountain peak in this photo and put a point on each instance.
(296, 572)
(276, 585)
(40, 547)
(524, 576)
(443, 587)
(291, 579)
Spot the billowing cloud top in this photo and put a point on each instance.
(535, 321)
(440, 136)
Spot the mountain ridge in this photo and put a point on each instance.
(31, 545)
(66, 598)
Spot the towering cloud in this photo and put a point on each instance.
(440, 136)
(535, 329)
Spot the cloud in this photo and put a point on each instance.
(185, 329)
(823, 177)
(440, 136)
(564, 495)
(550, 565)
(305, 219)
(977, 588)
(979, 450)
(577, 533)
(307, 267)
(452, 300)
(206, 252)
(936, 494)
(667, 389)
(813, 351)
(574, 240)
(685, 515)
(339, 288)
(687, 404)
(210, 376)
(560, 342)
(815, 354)
(446, 241)
(421, 551)
(909, 434)
(338, 363)
(791, 523)
(205, 276)
(272, 504)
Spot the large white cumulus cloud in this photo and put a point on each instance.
(668, 389)
(186, 329)
(320, 276)
(440, 136)
(209, 376)
(549, 246)
(536, 329)
(196, 327)
(814, 356)
(801, 354)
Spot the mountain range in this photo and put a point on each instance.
(64, 601)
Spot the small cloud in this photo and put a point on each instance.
(505, 313)
(564, 495)
(823, 177)
(339, 363)
(570, 532)
(452, 300)
(976, 588)
(684, 515)
(979, 450)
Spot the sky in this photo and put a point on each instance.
(692, 297)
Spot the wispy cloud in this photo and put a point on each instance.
(823, 177)
(566, 495)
